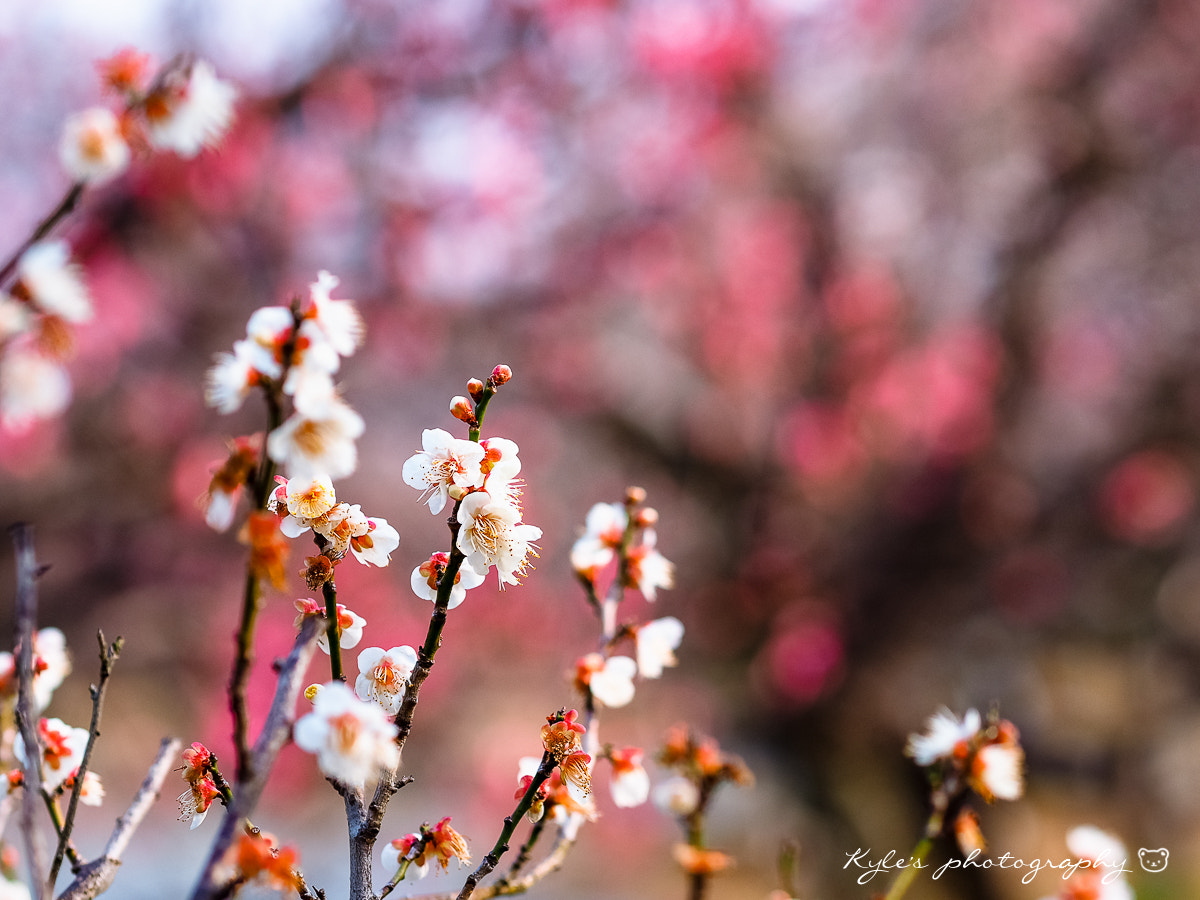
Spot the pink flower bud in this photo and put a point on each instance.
(500, 375)
(475, 388)
(647, 517)
(634, 495)
(460, 408)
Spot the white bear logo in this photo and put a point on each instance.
(1153, 860)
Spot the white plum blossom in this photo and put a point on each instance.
(93, 149)
(338, 320)
(375, 545)
(53, 283)
(656, 644)
(943, 733)
(13, 890)
(350, 624)
(425, 577)
(308, 498)
(443, 461)
(33, 387)
(383, 676)
(400, 848)
(649, 570)
(492, 534)
(630, 784)
(677, 796)
(1103, 875)
(228, 382)
(15, 317)
(191, 111)
(352, 739)
(612, 684)
(604, 529)
(51, 664)
(318, 445)
(62, 750)
(267, 331)
(998, 771)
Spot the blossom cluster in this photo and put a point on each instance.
(60, 747)
(701, 767)
(1100, 874)
(987, 756)
(480, 476)
(185, 108)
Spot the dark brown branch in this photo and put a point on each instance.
(108, 656)
(97, 876)
(27, 575)
(274, 735)
(65, 207)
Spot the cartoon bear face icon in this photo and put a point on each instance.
(1153, 860)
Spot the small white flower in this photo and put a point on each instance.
(33, 387)
(307, 498)
(383, 676)
(318, 445)
(443, 462)
(191, 111)
(353, 739)
(268, 329)
(604, 529)
(62, 750)
(54, 284)
(648, 569)
(229, 381)
(677, 796)
(656, 644)
(492, 534)
(998, 769)
(15, 317)
(425, 576)
(943, 732)
(394, 851)
(375, 545)
(630, 784)
(92, 148)
(612, 685)
(338, 320)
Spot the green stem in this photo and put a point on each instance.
(329, 590)
(510, 825)
(933, 828)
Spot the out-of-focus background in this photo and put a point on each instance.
(891, 306)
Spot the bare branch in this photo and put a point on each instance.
(97, 876)
(108, 656)
(271, 740)
(27, 575)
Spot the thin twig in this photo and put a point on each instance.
(97, 876)
(545, 770)
(65, 207)
(271, 739)
(108, 656)
(27, 575)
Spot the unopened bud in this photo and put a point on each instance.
(310, 692)
(634, 496)
(460, 408)
(456, 491)
(647, 517)
(500, 375)
(475, 388)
